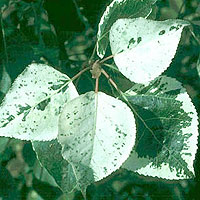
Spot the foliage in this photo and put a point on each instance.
(113, 107)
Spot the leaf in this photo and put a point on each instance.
(144, 48)
(31, 108)
(42, 174)
(167, 125)
(3, 144)
(29, 154)
(5, 81)
(119, 9)
(50, 157)
(97, 133)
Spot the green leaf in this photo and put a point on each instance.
(43, 175)
(50, 157)
(120, 9)
(3, 143)
(5, 81)
(31, 108)
(97, 133)
(167, 125)
(144, 48)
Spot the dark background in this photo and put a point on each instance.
(54, 32)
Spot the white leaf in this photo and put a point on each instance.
(116, 10)
(31, 108)
(144, 48)
(97, 133)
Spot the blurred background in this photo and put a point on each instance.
(62, 33)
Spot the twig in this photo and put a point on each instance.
(107, 58)
(111, 81)
(81, 72)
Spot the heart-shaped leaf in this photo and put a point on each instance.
(142, 48)
(167, 135)
(31, 108)
(97, 133)
(119, 9)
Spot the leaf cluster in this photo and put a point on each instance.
(120, 112)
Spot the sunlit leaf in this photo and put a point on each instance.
(97, 133)
(144, 48)
(31, 108)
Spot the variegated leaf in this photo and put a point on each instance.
(31, 108)
(97, 133)
(167, 135)
(142, 48)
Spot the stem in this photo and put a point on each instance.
(111, 81)
(81, 72)
(97, 85)
(107, 58)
